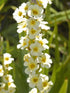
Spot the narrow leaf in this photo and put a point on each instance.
(64, 87)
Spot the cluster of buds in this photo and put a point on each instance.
(29, 17)
(6, 82)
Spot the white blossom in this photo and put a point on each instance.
(36, 49)
(34, 90)
(35, 11)
(1, 71)
(32, 66)
(7, 78)
(24, 7)
(11, 90)
(18, 15)
(43, 3)
(33, 32)
(24, 42)
(7, 58)
(33, 23)
(22, 26)
(43, 42)
(43, 25)
(45, 60)
(46, 84)
(34, 80)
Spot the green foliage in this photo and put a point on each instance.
(64, 87)
(59, 44)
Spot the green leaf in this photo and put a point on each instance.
(59, 17)
(2, 3)
(69, 37)
(57, 56)
(10, 33)
(62, 74)
(58, 4)
(64, 87)
(1, 6)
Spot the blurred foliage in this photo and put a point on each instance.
(58, 17)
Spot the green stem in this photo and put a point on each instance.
(57, 57)
(69, 38)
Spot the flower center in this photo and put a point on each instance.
(35, 12)
(24, 26)
(33, 31)
(43, 60)
(32, 65)
(7, 65)
(26, 8)
(32, 22)
(0, 70)
(9, 83)
(26, 60)
(39, 3)
(45, 84)
(24, 43)
(41, 42)
(6, 58)
(35, 49)
(7, 78)
(19, 13)
(35, 80)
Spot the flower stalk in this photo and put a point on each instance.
(29, 17)
(7, 83)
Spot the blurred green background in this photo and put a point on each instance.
(58, 17)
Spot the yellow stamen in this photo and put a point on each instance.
(6, 58)
(35, 12)
(45, 84)
(33, 31)
(35, 49)
(20, 13)
(32, 66)
(35, 80)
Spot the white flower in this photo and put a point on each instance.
(35, 11)
(3, 91)
(43, 3)
(45, 60)
(7, 78)
(46, 88)
(6, 66)
(46, 84)
(32, 66)
(43, 25)
(43, 42)
(11, 90)
(33, 23)
(24, 42)
(33, 32)
(22, 26)
(2, 86)
(1, 71)
(34, 80)
(11, 85)
(7, 58)
(36, 49)
(24, 7)
(18, 15)
(44, 77)
(34, 90)
(27, 57)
